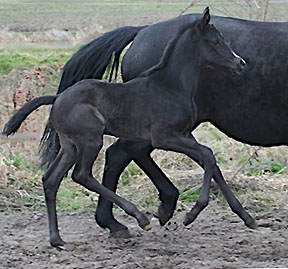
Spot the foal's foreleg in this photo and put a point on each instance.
(205, 158)
(188, 145)
(233, 202)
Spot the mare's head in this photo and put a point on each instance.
(214, 50)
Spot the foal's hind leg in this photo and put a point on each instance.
(88, 147)
(51, 182)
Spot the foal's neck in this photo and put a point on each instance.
(181, 72)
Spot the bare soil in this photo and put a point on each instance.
(218, 239)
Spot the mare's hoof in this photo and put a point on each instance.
(163, 216)
(189, 218)
(125, 234)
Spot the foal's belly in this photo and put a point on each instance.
(129, 127)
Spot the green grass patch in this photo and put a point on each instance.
(32, 58)
(19, 162)
(258, 168)
(189, 196)
(130, 172)
(74, 197)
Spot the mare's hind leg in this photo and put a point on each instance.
(118, 157)
(51, 182)
(115, 162)
(88, 147)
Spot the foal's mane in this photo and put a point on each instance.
(166, 53)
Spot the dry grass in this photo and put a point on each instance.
(20, 178)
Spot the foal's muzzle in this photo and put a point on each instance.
(239, 65)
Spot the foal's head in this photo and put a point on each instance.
(214, 50)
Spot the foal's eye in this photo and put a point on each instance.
(213, 42)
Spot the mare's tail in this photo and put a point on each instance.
(90, 61)
(15, 121)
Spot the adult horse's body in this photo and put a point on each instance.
(252, 108)
(145, 109)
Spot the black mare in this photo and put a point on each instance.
(145, 108)
(252, 108)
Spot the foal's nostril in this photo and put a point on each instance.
(239, 65)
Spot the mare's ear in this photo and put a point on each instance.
(205, 19)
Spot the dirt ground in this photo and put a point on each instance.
(218, 239)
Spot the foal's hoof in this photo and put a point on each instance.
(251, 224)
(144, 222)
(58, 243)
(189, 218)
(148, 227)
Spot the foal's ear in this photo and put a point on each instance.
(205, 19)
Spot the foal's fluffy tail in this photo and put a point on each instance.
(16, 120)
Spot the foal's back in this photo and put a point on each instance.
(126, 110)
